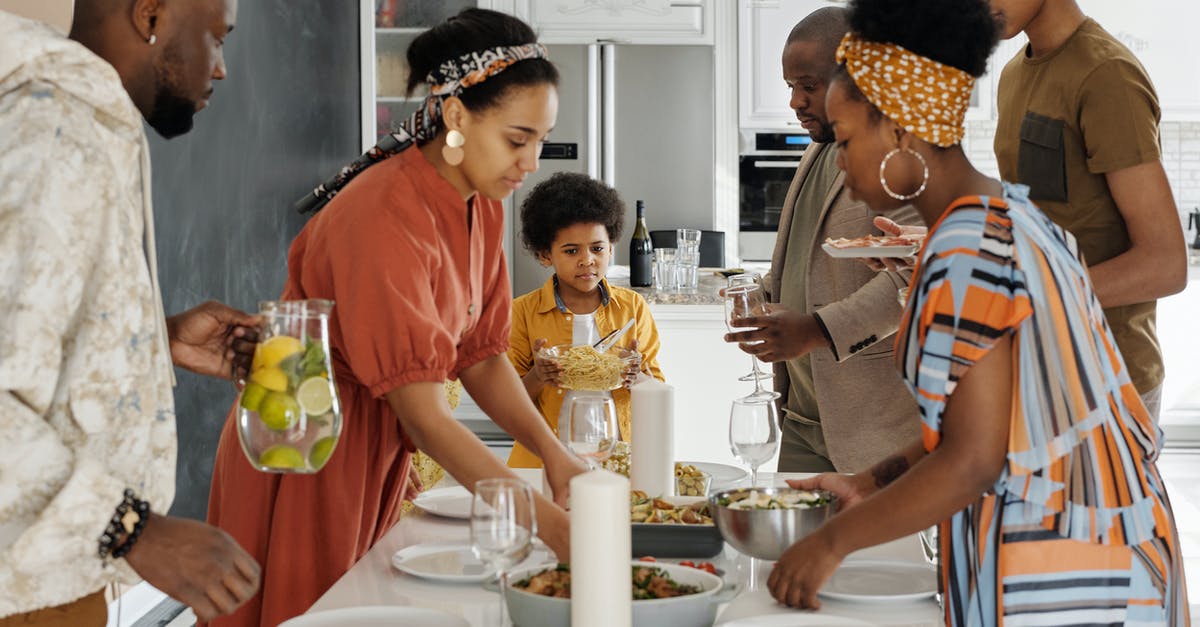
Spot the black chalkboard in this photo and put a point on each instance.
(284, 119)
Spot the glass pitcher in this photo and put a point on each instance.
(288, 414)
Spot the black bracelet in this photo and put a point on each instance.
(131, 506)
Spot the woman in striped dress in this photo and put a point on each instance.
(1037, 454)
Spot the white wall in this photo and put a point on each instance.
(57, 13)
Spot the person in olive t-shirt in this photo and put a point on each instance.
(1078, 123)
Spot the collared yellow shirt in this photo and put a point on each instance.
(536, 315)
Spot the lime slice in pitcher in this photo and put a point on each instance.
(281, 456)
(320, 451)
(279, 411)
(315, 396)
(253, 395)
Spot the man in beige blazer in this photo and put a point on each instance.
(830, 327)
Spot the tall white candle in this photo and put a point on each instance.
(601, 576)
(652, 441)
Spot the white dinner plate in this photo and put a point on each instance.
(453, 562)
(881, 581)
(453, 502)
(724, 475)
(375, 616)
(794, 619)
(869, 251)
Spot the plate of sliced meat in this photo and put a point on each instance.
(873, 246)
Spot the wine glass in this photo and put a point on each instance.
(502, 526)
(593, 428)
(741, 301)
(754, 432)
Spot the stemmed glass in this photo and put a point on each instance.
(593, 429)
(502, 526)
(745, 298)
(754, 432)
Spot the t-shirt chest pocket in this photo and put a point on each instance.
(1041, 158)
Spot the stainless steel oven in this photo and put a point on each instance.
(767, 163)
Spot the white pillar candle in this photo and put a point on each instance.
(601, 575)
(652, 438)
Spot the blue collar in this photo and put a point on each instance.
(558, 301)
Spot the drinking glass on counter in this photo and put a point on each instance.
(743, 298)
(687, 259)
(664, 269)
(502, 526)
(593, 428)
(754, 432)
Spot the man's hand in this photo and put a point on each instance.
(893, 264)
(195, 564)
(779, 335)
(213, 339)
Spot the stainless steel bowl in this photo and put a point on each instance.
(766, 533)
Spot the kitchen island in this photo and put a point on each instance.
(373, 580)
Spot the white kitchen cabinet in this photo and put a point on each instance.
(763, 27)
(678, 22)
(386, 29)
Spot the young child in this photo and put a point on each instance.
(570, 222)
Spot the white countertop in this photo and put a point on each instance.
(373, 580)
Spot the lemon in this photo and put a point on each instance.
(274, 350)
(278, 411)
(315, 396)
(281, 456)
(320, 451)
(252, 396)
(270, 378)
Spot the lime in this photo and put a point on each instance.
(281, 456)
(320, 451)
(315, 396)
(278, 411)
(274, 350)
(253, 395)
(270, 378)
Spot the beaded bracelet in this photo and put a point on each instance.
(128, 520)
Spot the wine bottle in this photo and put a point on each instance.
(641, 251)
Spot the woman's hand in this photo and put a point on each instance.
(544, 371)
(849, 489)
(629, 377)
(893, 264)
(560, 466)
(804, 568)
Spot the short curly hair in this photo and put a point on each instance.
(958, 33)
(565, 199)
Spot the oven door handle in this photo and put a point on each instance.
(776, 164)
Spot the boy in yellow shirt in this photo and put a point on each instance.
(569, 222)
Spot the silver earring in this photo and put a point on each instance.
(153, 39)
(883, 179)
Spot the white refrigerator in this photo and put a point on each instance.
(640, 118)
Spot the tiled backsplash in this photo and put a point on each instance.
(1181, 158)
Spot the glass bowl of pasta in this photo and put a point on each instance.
(585, 368)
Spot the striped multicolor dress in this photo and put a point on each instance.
(1078, 528)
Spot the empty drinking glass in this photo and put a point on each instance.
(502, 526)
(743, 300)
(593, 428)
(753, 432)
(687, 260)
(664, 269)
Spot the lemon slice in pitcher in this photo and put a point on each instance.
(315, 396)
(274, 350)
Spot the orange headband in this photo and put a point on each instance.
(927, 98)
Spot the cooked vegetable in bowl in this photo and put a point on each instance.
(649, 582)
(643, 509)
(754, 499)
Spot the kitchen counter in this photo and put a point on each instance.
(706, 292)
(373, 580)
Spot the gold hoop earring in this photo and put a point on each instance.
(452, 152)
(883, 179)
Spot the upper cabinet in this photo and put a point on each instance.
(763, 27)
(622, 21)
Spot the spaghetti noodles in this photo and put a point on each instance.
(585, 368)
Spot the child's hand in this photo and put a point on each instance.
(546, 372)
(629, 377)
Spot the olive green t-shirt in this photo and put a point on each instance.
(793, 279)
(1065, 119)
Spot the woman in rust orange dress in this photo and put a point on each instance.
(409, 248)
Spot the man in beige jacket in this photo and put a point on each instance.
(830, 328)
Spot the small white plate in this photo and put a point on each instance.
(724, 475)
(881, 581)
(869, 251)
(453, 502)
(453, 562)
(375, 616)
(793, 619)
